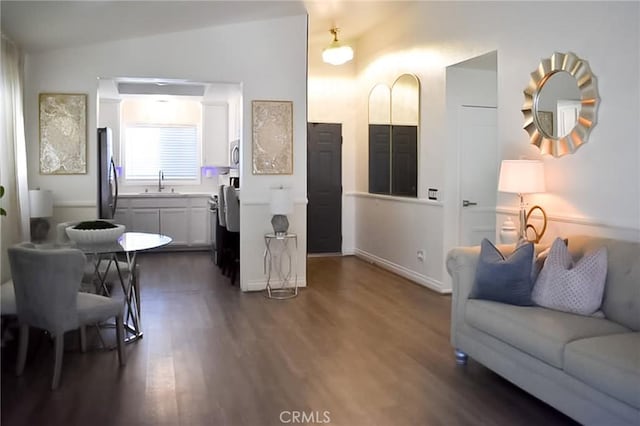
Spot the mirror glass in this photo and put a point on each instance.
(557, 106)
(405, 100)
(380, 105)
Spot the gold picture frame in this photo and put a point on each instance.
(272, 149)
(63, 133)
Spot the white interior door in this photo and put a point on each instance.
(478, 174)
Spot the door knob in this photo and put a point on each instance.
(467, 203)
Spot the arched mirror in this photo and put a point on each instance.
(380, 105)
(394, 116)
(560, 107)
(405, 100)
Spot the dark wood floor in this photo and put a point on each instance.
(359, 343)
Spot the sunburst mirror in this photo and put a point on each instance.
(560, 104)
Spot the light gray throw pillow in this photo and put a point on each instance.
(576, 288)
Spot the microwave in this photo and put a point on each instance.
(234, 153)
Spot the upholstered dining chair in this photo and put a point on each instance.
(46, 284)
(106, 268)
(224, 237)
(232, 217)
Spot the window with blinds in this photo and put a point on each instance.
(170, 148)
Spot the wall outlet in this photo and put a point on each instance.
(420, 255)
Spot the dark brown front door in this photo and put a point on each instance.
(324, 188)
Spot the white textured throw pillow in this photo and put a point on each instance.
(566, 287)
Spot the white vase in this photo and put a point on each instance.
(508, 232)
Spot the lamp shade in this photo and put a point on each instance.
(41, 203)
(521, 176)
(281, 201)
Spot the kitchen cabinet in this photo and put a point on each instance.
(199, 233)
(145, 220)
(174, 223)
(183, 217)
(215, 134)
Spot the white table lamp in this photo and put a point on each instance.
(524, 177)
(281, 205)
(41, 207)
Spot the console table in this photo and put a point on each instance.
(282, 264)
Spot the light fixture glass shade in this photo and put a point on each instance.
(41, 203)
(337, 53)
(281, 201)
(521, 176)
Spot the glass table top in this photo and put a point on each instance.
(128, 242)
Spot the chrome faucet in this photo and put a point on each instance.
(160, 179)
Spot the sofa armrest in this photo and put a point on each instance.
(461, 265)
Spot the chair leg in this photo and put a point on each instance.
(22, 348)
(57, 368)
(120, 338)
(83, 338)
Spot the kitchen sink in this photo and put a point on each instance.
(159, 194)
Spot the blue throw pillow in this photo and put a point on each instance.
(504, 280)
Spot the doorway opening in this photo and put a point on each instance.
(472, 152)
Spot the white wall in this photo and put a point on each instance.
(268, 57)
(324, 91)
(599, 184)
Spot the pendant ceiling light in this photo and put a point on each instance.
(337, 53)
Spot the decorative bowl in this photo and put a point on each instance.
(95, 236)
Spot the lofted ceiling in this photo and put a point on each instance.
(43, 25)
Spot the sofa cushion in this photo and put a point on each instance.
(621, 301)
(610, 364)
(540, 332)
(506, 280)
(571, 287)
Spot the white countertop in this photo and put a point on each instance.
(166, 195)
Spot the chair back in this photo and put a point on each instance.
(221, 207)
(232, 209)
(46, 283)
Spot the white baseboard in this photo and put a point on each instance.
(403, 272)
(261, 285)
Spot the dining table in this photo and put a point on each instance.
(126, 249)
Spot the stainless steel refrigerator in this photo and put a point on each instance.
(107, 177)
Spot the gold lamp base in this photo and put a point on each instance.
(537, 234)
(525, 226)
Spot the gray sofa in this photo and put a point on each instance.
(586, 367)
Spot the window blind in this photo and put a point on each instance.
(172, 149)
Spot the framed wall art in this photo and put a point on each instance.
(272, 151)
(63, 133)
